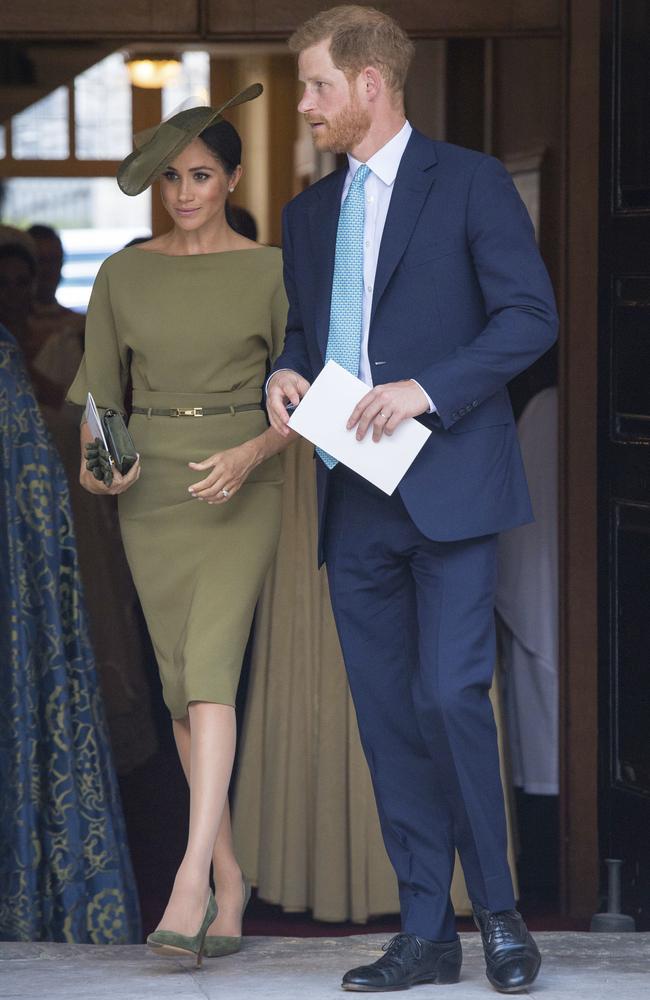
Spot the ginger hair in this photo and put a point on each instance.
(359, 37)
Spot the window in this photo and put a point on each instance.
(102, 105)
(92, 216)
(40, 132)
(192, 84)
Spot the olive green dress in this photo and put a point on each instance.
(195, 331)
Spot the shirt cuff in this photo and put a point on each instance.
(272, 375)
(432, 405)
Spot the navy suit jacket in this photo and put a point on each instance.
(462, 302)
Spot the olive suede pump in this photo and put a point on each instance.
(218, 945)
(173, 944)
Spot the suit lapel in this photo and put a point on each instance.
(414, 180)
(323, 222)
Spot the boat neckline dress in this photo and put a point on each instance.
(189, 332)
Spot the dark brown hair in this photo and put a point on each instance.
(223, 141)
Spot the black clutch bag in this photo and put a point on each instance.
(120, 442)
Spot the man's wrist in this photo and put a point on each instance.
(431, 405)
(272, 375)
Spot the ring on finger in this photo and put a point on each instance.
(384, 415)
(225, 494)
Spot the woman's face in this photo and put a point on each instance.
(195, 186)
(16, 292)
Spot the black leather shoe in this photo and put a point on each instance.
(511, 956)
(409, 960)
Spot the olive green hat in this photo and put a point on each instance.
(156, 147)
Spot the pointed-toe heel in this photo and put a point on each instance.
(218, 945)
(172, 944)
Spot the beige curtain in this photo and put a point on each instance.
(305, 823)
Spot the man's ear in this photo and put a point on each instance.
(372, 82)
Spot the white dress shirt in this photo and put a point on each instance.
(383, 166)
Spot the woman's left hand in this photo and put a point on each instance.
(228, 470)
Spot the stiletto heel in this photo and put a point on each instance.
(218, 945)
(171, 943)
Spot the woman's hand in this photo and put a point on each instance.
(119, 485)
(228, 470)
(90, 451)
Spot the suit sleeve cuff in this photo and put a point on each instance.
(432, 405)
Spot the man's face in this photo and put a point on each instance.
(49, 260)
(330, 103)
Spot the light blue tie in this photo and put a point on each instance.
(346, 312)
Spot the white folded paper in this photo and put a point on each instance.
(323, 413)
(94, 422)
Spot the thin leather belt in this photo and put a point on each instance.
(195, 411)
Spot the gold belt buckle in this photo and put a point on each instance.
(195, 411)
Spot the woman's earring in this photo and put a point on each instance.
(231, 190)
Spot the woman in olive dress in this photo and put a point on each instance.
(195, 317)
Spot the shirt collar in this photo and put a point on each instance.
(385, 162)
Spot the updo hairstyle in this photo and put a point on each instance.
(222, 139)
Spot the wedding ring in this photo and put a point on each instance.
(382, 414)
(225, 493)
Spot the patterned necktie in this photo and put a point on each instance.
(346, 313)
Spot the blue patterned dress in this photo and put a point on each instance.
(65, 872)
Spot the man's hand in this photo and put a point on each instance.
(386, 406)
(284, 387)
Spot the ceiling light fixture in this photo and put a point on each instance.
(152, 72)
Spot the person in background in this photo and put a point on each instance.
(17, 283)
(52, 337)
(65, 873)
(49, 260)
(17, 290)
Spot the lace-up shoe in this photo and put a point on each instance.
(512, 958)
(407, 961)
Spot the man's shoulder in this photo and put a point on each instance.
(315, 191)
(448, 154)
(463, 168)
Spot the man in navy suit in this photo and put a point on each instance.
(455, 302)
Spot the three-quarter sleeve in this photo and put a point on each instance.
(104, 367)
(279, 309)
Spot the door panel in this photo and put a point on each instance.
(624, 449)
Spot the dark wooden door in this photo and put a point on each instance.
(624, 449)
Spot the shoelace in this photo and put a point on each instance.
(498, 930)
(392, 946)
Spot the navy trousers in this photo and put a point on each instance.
(415, 619)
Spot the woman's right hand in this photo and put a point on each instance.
(119, 485)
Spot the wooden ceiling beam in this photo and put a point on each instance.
(214, 20)
(444, 18)
(79, 19)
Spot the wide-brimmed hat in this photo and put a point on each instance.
(156, 147)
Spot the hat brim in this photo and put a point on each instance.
(159, 146)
